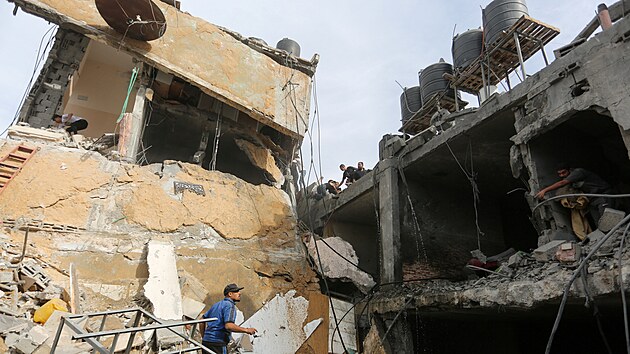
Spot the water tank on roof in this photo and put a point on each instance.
(290, 46)
(467, 47)
(500, 15)
(433, 82)
(410, 102)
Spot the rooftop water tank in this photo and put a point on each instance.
(432, 81)
(467, 47)
(410, 102)
(290, 46)
(500, 15)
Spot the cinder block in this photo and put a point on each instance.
(610, 218)
(547, 252)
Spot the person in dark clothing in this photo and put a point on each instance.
(586, 182)
(328, 187)
(217, 334)
(348, 174)
(360, 172)
(332, 187)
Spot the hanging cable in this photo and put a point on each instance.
(622, 287)
(217, 138)
(576, 273)
(132, 82)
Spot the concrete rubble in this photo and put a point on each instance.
(125, 255)
(331, 252)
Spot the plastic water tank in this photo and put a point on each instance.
(467, 47)
(500, 15)
(290, 46)
(410, 102)
(432, 81)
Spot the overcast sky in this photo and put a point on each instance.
(365, 47)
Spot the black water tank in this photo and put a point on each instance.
(290, 46)
(467, 47)
(500, 15)
(410, 102)
(432, 81)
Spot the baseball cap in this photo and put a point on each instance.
(231, 288)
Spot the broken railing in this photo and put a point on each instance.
(137, 325)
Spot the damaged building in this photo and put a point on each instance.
(179, 185)
(463, 256)
(187, 178)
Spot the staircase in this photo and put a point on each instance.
(12, 163)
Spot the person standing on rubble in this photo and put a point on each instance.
(217, 334)
(72, 122)
(586, 182)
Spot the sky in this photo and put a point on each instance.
(366, 47)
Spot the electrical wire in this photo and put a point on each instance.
(299, 117)
(38, 61)
(576, 273)
(622, 287)
(580, 195)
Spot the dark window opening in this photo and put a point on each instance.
(517, 331)
(451, 225)
(587, 140)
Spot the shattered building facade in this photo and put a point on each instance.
(188, 188)
(468, 185)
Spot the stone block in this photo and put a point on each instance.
(515, 260)
(569, 252)
(192, 308)
(546, 252)
(38, 335)
(609, 219)
(561, 235)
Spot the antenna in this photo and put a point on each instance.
(139, 19)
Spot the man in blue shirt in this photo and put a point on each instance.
(217, 334)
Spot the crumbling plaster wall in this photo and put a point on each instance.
(545, 100)
(274, 94)
(236, 233)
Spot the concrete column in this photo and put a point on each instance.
(389, 215)
(135, 135)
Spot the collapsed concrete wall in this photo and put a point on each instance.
(236, 232)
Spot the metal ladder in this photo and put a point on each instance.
(12, 163)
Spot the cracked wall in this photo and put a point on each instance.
(237, 232)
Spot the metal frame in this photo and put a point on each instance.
(72, 321)
(485, 74)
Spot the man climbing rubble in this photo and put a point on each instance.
(217, 334)
(348, 175)
(586, 182)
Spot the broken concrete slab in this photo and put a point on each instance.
(12, 324)
(192, 308)
(262, 158)
(609, 219)
(336, 267)
(162, 287)
(280, 325)
(547, 252)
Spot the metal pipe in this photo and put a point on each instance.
(57, 335)
(520, 54)
(82, 336)
(132, 336)
(604, 16)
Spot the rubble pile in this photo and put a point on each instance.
(525, 279)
